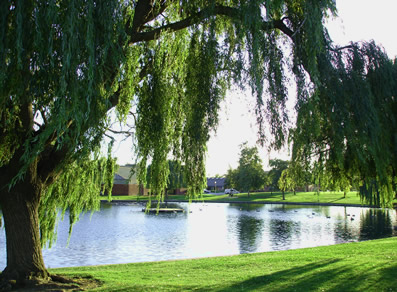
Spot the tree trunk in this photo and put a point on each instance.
(24, 257)
(283, 195)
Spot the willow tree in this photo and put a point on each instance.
(65, 64)
(347, 127)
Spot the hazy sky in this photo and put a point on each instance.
(358, 20)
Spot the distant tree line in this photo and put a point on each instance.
(283, 176)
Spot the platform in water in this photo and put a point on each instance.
(163, 210)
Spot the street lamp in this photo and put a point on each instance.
(215, 185)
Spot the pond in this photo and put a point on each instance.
(122, 233)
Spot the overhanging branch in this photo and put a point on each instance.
(233, 13)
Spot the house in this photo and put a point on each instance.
(216, 183)
(125, 184)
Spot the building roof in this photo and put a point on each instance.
(118, 177)
(124, 174)
(220, 182)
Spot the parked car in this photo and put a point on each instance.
(231, 192)
(206, 191)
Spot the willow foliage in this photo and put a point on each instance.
(61, 75)
(348, 126)
(56, 58)
(219, 51)
(65, 64)
(82, 181)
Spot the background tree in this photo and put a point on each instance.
(274, 174)
(231, 178)
(295, 176)
(267, 180)
(249, 174)
(286, 182)
(65, 64)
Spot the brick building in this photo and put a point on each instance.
(125, 184)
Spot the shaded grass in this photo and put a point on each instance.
(300, 197)
(364, 266)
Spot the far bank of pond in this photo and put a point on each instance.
(121, 233)
(324, 198)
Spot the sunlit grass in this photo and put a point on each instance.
(300, 197)
(364, 266)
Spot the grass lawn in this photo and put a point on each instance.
(364, 266)
(306, 197)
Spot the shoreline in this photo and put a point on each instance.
(245, 202)
(339, 267)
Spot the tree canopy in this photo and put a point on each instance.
(277, 167)
(249, 174)
(65, 64)
(347, 128)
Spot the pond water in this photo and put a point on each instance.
(124, 234)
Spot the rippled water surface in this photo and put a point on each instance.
(123, 233)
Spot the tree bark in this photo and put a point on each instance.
(20, 212)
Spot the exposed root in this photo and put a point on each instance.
(55, 283)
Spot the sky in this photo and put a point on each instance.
(358, 20)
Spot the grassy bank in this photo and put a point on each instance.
(305, 197)
(364, 266)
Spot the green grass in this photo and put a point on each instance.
(305, 197)
(364, 266)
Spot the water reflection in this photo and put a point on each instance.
(376, 223)
(281, 233)
(249, 232)
(123, 233)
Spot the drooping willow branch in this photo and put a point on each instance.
(196, 18)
